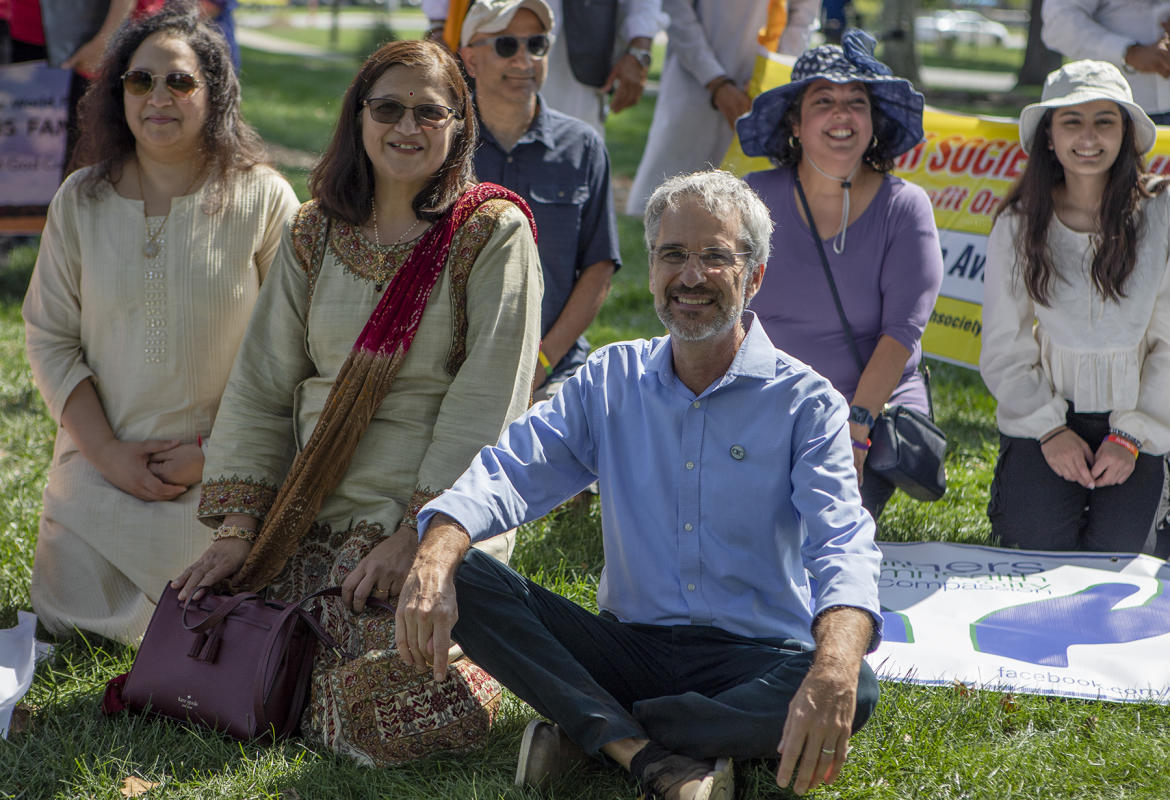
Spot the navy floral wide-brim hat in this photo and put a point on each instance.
(761, 132)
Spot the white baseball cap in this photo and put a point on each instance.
(492, 16)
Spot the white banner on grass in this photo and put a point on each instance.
(1071, 624)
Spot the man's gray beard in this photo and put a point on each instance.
(699, 332)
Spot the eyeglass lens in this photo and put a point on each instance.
(427, 115)
(710, 257)
(139, 82)
(506, 46)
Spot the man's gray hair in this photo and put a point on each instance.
(721, 195)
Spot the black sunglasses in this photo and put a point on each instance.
(139, 82)
(426, 115)
(507, 45)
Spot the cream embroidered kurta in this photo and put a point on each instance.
(158, 337)
(439, 412)
(1102, 355)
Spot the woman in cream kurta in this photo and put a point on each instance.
(466, 375)
(463, 380)
(157, 338)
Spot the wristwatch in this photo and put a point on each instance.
(861, 416)
(642, 54)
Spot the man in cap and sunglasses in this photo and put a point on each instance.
(727, 480)
(555, 162)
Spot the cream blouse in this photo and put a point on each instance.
(1100, 355)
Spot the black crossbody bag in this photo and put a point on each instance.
(907, 448)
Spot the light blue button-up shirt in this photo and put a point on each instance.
(716, 508)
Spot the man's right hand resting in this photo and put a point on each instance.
(427, 611)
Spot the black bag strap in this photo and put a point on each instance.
(812, 226)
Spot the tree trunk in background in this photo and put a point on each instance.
(335, 25)
(1038, 59)
(897, 38)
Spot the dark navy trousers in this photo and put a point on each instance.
(696, 690)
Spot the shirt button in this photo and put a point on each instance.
(695, 404)
(508, 159)
(690, 465)
(688, 527)
(690, 587)
(560, 194)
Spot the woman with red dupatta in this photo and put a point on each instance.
(396, 335)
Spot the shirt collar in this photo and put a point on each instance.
(541, 129)
(756, 357)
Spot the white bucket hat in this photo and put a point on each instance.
(492, 16)
(1083, 82)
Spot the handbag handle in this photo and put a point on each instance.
(812, 226)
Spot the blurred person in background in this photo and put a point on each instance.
(1133, 35)
(711, 52)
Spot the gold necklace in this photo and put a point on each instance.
(152, 247)
(378, 236)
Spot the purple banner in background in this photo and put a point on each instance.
(34, 101)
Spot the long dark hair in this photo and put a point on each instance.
(228, 145)
(1119, 219)
(343, 181)
(878, 156)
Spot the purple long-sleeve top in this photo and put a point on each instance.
(888, 278)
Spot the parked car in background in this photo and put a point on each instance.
(965, 27)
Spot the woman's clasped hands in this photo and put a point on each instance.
(156, 469)
(1070, 457)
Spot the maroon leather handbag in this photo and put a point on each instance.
(239, 664)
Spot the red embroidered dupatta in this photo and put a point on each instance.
(362, 383)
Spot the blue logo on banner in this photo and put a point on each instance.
(1041, 632)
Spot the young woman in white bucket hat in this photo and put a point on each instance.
(1076, 323)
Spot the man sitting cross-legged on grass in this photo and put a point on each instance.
(725, 472)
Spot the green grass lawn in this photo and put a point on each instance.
(935, 744)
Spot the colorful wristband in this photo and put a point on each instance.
(862, 446)
(1125, 442)
(548, 369)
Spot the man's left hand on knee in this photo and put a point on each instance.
(816, 732)
(820, 716)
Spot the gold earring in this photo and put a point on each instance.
(793, 142)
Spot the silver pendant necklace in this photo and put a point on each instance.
(152, 246)
(846, 184)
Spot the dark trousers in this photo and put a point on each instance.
(696, 690)
(1033, 507)
(876, 491)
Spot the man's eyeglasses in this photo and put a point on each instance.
(139, 83)
(507, 45)
(427, 115)
(709, 257)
